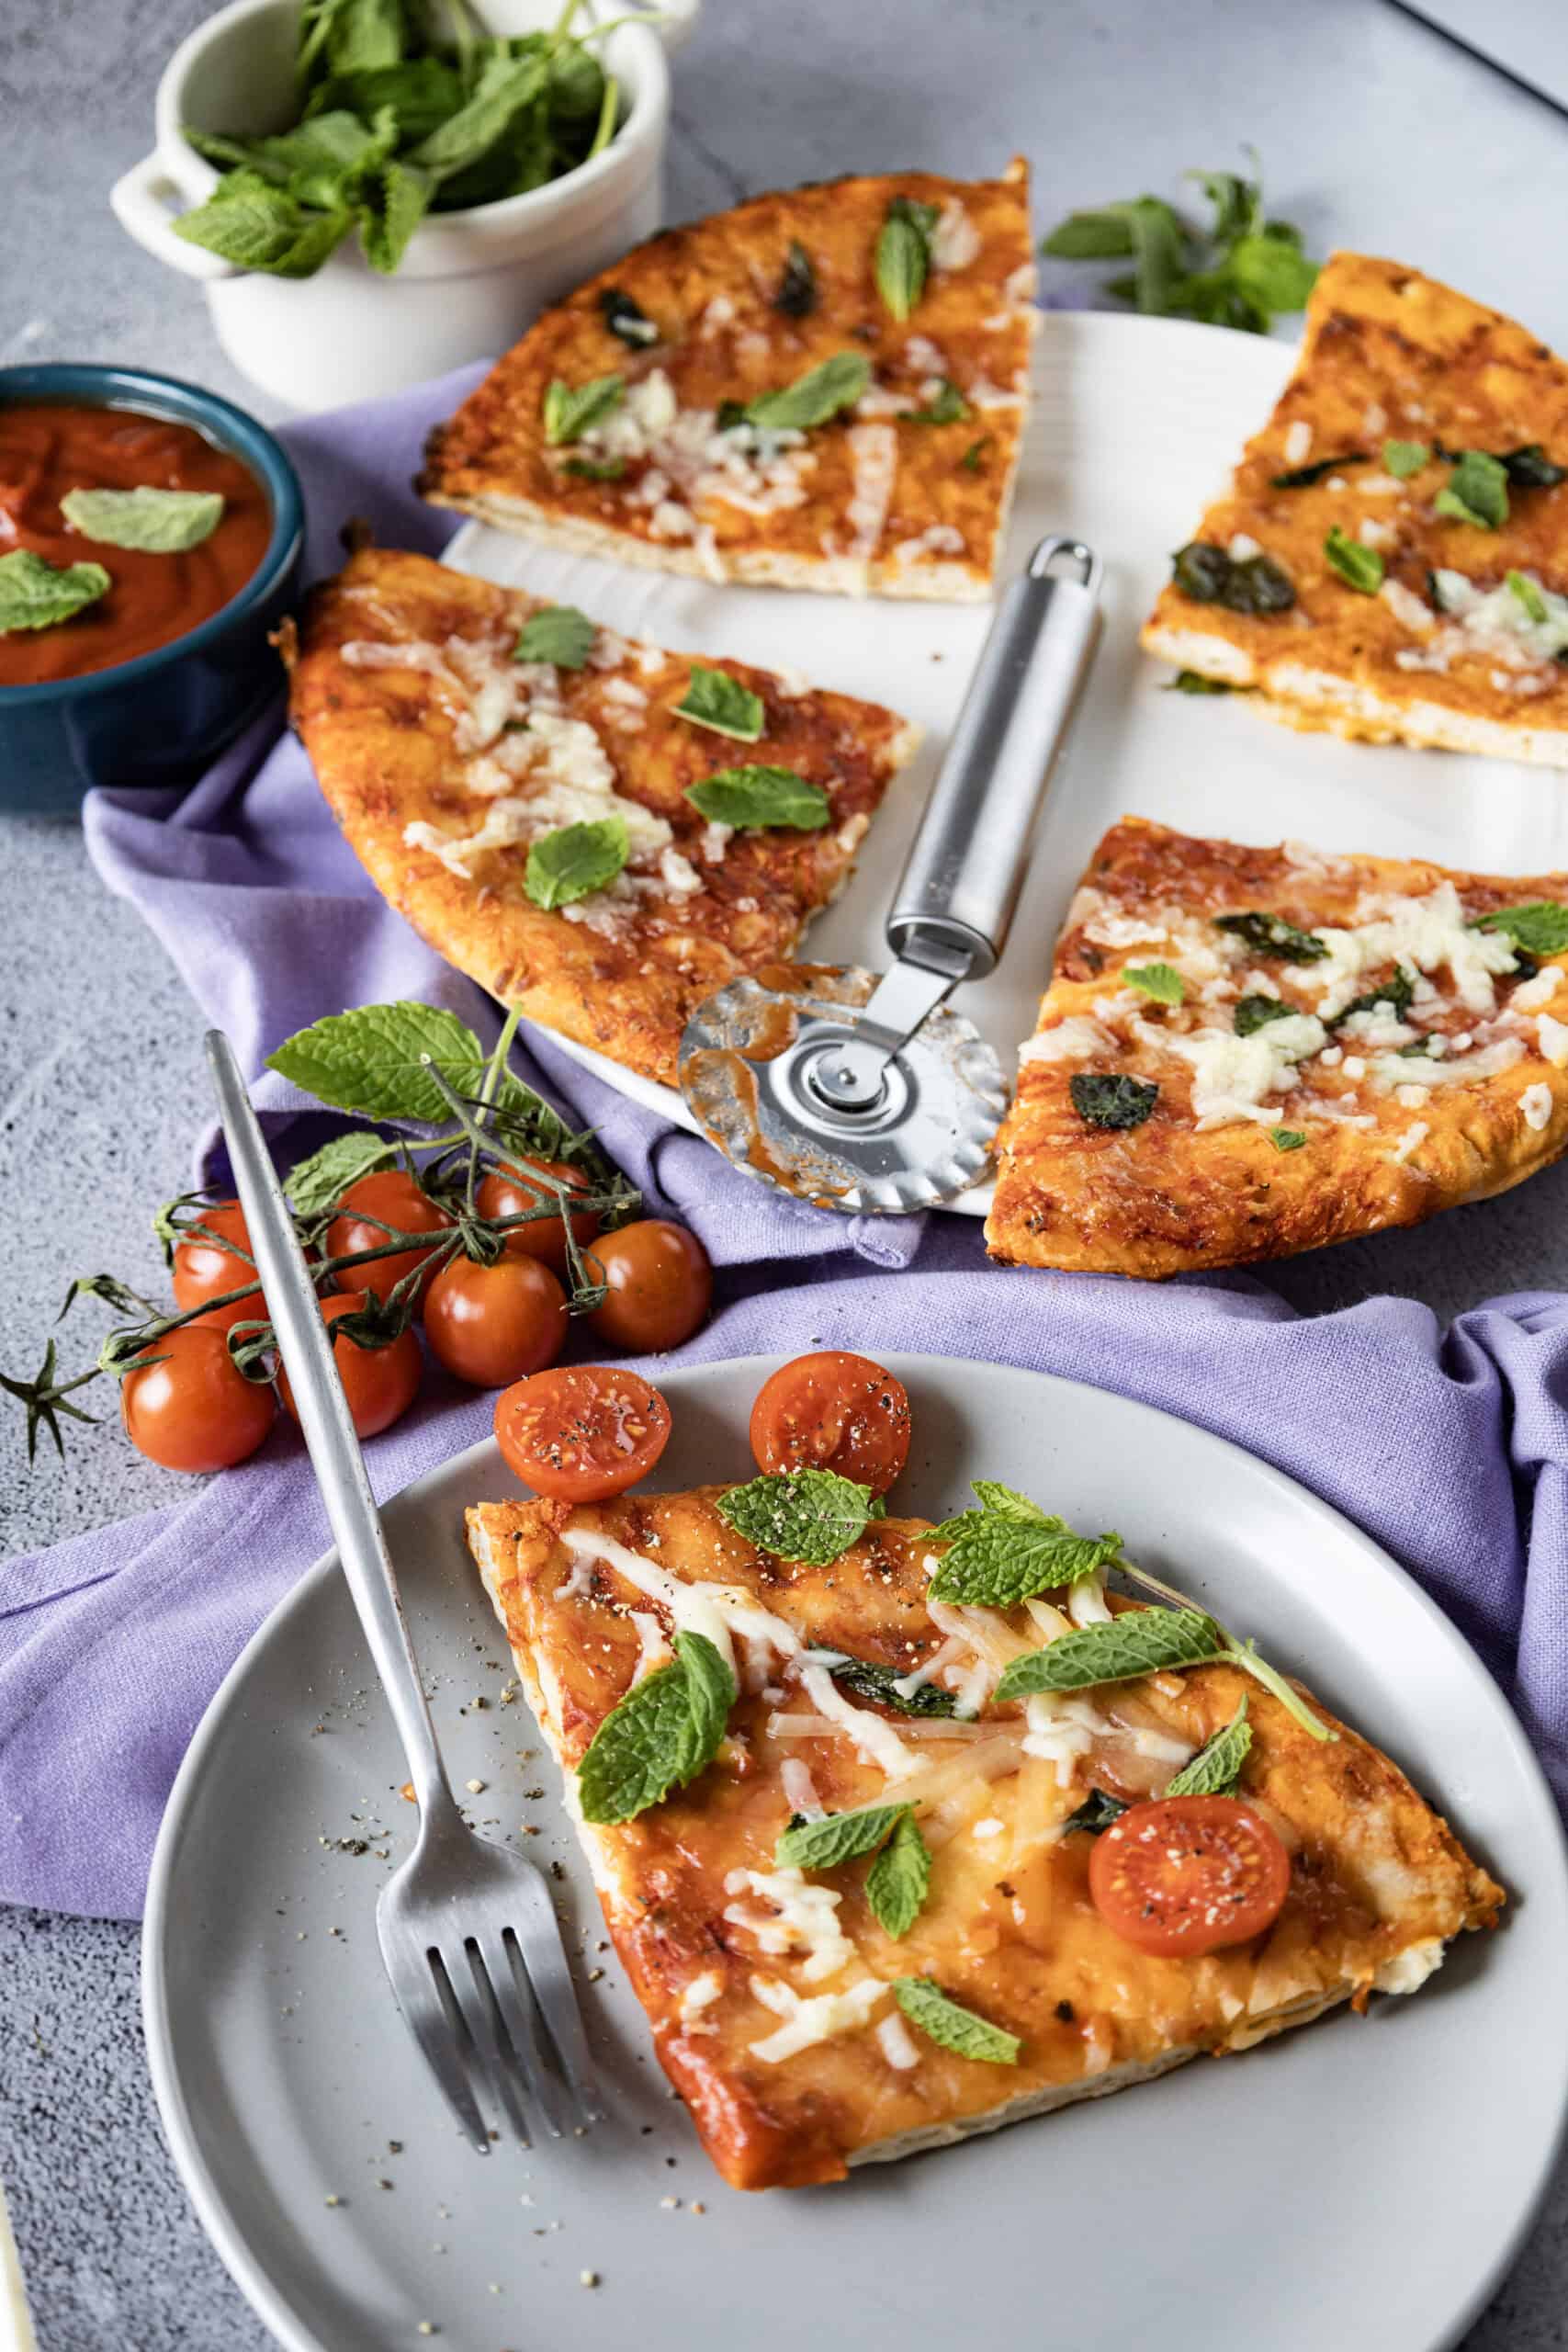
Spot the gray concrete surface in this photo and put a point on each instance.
(1373, 132)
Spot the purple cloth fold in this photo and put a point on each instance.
(1451, 1448)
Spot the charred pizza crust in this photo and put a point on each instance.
(1392, 356)
(1379, 1884)
(868, 501)
(1383, 1136)
(442, 758)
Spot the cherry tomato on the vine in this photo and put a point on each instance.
(379, 1382)
(583, 1433)
(503, 1195)
(390, 1195)
(205, 1270)
(195, 1409)
(833, 1412)
(1185, 1875)
(494, 1324)
(660, 1285)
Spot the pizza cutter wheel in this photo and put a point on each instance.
(871, 1094)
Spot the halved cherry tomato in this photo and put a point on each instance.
(1185, 1875)
(501, 1195)
(492, 1324)
(195, 1409)
(390, 1195)
(204, 1270)
(833, 1412)
(379, 1382)
(582, 1432)
(660, 1285)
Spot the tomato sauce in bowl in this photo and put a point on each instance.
(48, 450)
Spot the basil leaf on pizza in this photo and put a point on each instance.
(956, 2027)
(665, 1731)
(569, 410)
(1216, 1768)
(1255, 1013)
(1476, 492)
(869, 1680)
(903, 254)
(838, 382)
(796, 296)
(947, 406)
(1530, 469)
(556, 633)
(1292, 1139)
(837, 1838)
(626, 320)
(1395, 996)
(1211, 575)
(812, 1516)
(1162, 982)
(749, 798)
(1540, 927)
(1359, 567)
(1303, 477)
(575, 861)
(1097, 1812)
(1528, 596)
(713, 698)
(596, 469)
(153, 522)
(36, 595)
(1268, 935)
(1403, 458)
(1111, 1098)
(1136, 1642)
(899, 1879)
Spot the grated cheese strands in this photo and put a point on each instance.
(717, 1610)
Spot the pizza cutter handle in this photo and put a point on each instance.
(960, 885)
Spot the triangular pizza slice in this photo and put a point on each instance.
(872, 1898)
(1391, 559)
(1247, 1052)
(597, 831)
(824, 389)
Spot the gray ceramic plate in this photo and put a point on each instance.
(1363, 2182)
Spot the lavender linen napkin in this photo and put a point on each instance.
(1451, 1449)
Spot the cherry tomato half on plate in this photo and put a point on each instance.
(501, 1194)
(195, 1409)
(1185, 1875)
(392, 1196)
(204, 1270)
(660, 1285)
(833, 1412)
(379, 1382)
(492, 1324)
(583, 1433)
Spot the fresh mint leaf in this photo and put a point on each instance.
(1270, 273)
(1216, 1768)
(1540, 927)
(1238, 273)
(1005, 1502)
(903, 254)
(1097, 1812)
(1270, 934)
(318, 1183)
(667, 1729)
(812, 1516)
(256, 226)
(1403, 458)
(506, 87)
(1111, 1098)
(713, 698)
(1303, 477)
(1476, 492)
(1255, 1013)
(837, 1838)
(997, 1560)
(1136, 1642)
(575, 861)
(570, 410)
(1526, 594)
(899, 1879)
(797, 294)
(836, 383)
(953, 2027)
(558, 633)
(869, 1680)
(1192, 682)
(36, 595)
(421, 91)
(370, 1060)
(596, 469)
(1102, 235)
(948, 406)
(626, 320)
(1362, 567)
(1211, 575)
(750, 796)
(155, 522)
(392, 201)
(1162, 982)
(1237, 203)
(1287, 1138)
(1397, 995)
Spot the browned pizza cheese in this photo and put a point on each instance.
(1398, 1062)
(768, 1990)
(1453, 638)
(445, 759)
(905, 493)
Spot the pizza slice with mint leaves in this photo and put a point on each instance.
(1244, 1052)
(870, 1839)
(596, 831)
(824, 389)
(1390, 559)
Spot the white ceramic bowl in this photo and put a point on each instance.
(469, 283)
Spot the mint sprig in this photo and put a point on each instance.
(1216, 1768)
(946, 2022)
(899, 1879)
(665, 1731)
(1009, 1550)
(812, 1516)
(1241, 270)
(837, 1838)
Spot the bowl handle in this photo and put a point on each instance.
(675, 21)
(139, 203)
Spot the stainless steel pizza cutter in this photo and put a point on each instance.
(871, 1094)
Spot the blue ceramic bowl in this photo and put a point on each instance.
(161, 717)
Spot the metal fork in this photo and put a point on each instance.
(468, 1933)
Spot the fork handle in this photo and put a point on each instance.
(329, 1432)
